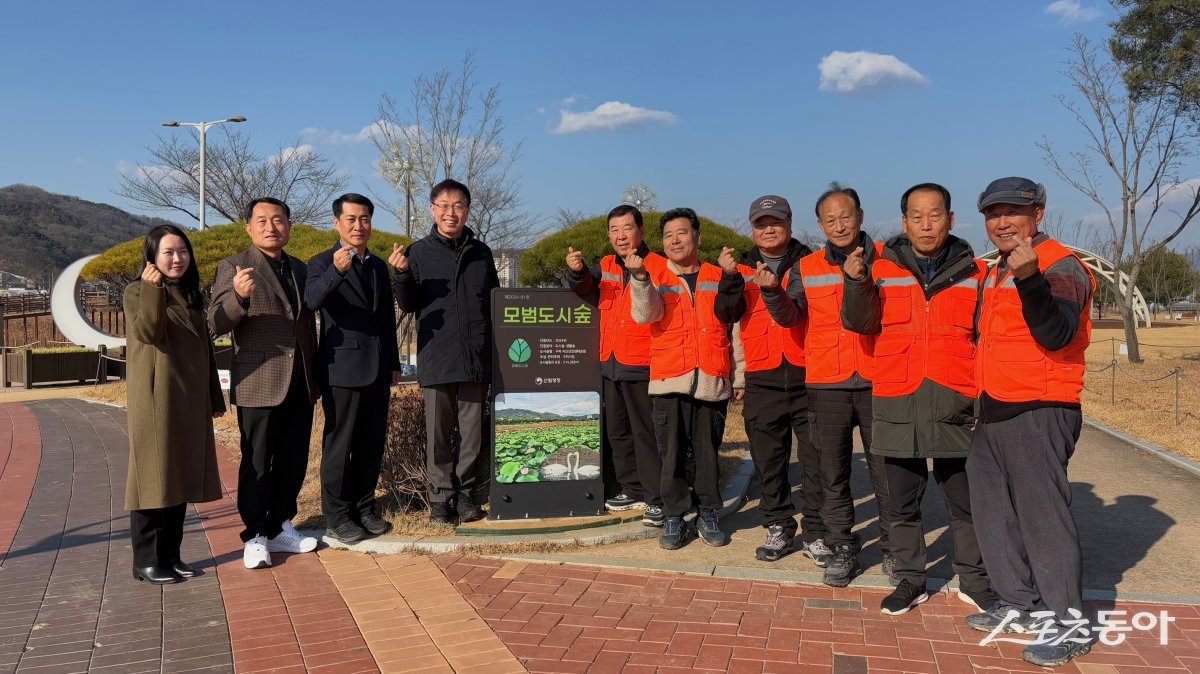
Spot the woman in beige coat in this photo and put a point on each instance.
(173, 397)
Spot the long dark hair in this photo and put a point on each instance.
(189, 285)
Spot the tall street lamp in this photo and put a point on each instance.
(203, 126)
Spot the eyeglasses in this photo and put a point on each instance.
(458, 207)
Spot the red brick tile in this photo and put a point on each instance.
(745, 667)
(685, 644)
(658, 630)
(781, 638)
(608, 662)
(584, 649)
(632, 646)
(562, 636)
(816, 652)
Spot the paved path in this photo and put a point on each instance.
(70, 605)
(1137, 518)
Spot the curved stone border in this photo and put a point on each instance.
(1146, 446)
(733, 496)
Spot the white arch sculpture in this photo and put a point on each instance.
(68, 312)
(1104, 269)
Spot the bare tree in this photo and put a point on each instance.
(451, 129)
(1073, 233)
(1142, 143)
(236, 175)
(641, 197)
(566, 218)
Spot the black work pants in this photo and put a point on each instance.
(355, 432)
(906, 480)
(274, 460)
(833, 414)
(772, 416)
(1021, 501)
(630, 430)
(679, 422)
(156, 534)
(451, 468)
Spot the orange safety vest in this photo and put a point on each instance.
(924, 339)
(764, 343)
(620, 335)
(688, 336)
(1012, 366)
(834, 354)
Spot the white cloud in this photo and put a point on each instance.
(337, 137)
(78, 161)
(846, 72)
(289, 153)
(1070, 11)
(154, 173)
(611, 116)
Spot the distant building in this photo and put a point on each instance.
(506, 266)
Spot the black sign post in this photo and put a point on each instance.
(546, 413)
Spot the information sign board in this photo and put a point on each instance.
(546, 412)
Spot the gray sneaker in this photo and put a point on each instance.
(818, 552)
(675, 534)
(842, 568)
(710, 530)
(1054, 655)
(999, 614)
(777, 546)
(653, 517)
(889, 568)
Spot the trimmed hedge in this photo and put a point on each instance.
(123, 262)
(545, 263)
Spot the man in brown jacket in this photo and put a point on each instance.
(258, 297)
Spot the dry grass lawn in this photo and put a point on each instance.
(403, 523)
(1147, 409)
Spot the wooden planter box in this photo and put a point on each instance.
(28, 368)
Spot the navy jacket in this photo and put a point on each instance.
(358, 339)
(448, 286)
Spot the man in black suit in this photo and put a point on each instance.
(357, 360)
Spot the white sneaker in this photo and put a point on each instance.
(255, 555)
(290, 540)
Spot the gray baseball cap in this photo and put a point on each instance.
(1020, 191)
(770, 204)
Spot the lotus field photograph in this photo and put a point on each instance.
(547, 436)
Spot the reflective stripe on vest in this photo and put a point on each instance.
(924, 339)
(764, 343)
(688, 336)
(1012, 366)
(833, 354)
(620, 336)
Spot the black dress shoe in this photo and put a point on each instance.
(440, 513)
(374, 524)
(346, 532)
(155, 574)
(467, 510)
(185, 570)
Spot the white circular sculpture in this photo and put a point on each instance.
(68, 312)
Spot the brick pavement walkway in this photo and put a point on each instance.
(70, 605)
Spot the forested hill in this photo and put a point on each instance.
(41, 233)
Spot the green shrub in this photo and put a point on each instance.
(123, 263)
(64, 349)
(545, 265)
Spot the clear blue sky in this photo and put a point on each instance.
(727, 101)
